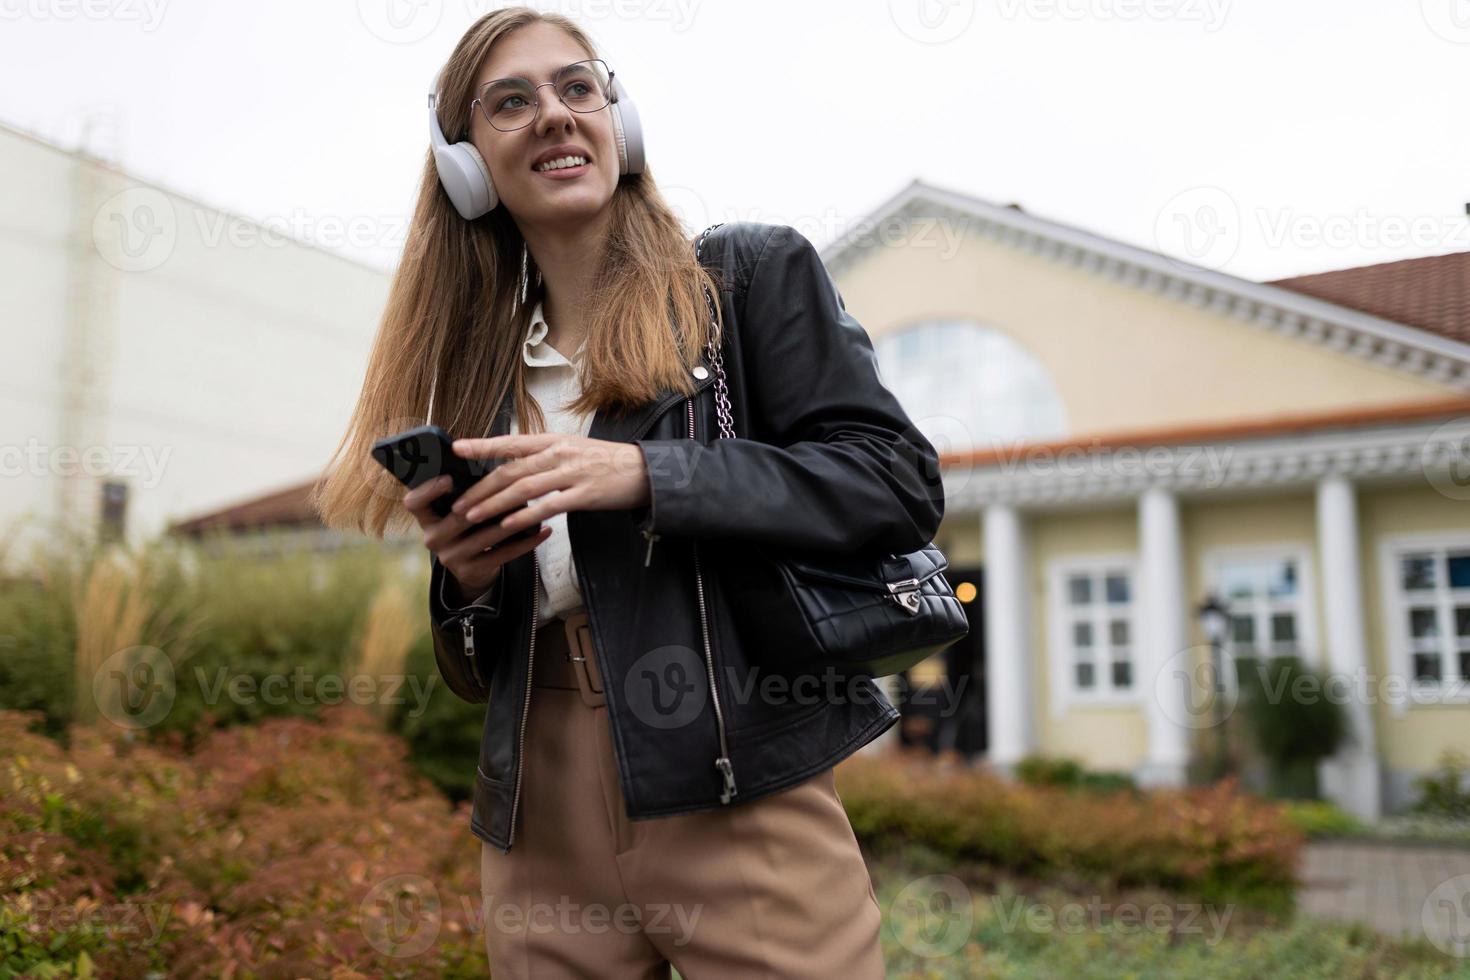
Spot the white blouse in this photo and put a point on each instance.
(554, 384)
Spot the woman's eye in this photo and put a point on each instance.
(506, 102)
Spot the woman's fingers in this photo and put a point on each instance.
(420, 497)
(470, 545)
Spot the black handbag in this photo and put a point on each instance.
(803, 613)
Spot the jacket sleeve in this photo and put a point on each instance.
(839, 465)
(467, 639)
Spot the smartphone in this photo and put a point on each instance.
(419, 455)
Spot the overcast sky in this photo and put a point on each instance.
(1262, 137)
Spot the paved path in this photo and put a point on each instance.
(1404, 891)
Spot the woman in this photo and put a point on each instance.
(645, 798)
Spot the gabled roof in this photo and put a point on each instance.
(1408, 348)
(1430, 293)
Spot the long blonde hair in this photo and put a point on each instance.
(460, 303)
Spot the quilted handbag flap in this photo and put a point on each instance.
(870, 573)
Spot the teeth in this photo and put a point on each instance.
(560, 163)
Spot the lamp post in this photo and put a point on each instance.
(1214, 619)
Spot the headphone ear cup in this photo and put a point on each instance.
(462, 172)
(627, 131)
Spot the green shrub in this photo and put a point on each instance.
(1040, 770)
(1292, 720)
(1445, 792)
(1211, 841)
(1317, 818)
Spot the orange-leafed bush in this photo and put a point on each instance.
(1208, 840)
(294, 848)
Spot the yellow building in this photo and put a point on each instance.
(1124, 434)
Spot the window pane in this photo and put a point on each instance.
(1084, 675)
(1462, 620)
(1465, 665)
(1082, 634)
(1283, 579)
(1283, 628)
(1237, 581)
(1459, 571)
(1122, 673)
(1417, 571)
(1079, 589)
(1242, 629)
(1422, 624)
(1426, 667)
(1117, 588)
(1118, 632)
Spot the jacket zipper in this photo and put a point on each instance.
(468, 624)
(722, 761)
(515, 799)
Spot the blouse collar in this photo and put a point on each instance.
(536, 352)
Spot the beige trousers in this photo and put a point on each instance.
(770, 888)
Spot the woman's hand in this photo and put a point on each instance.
(474, 560)
(587, 474)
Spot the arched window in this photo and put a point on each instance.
(969, 387)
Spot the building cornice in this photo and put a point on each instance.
(1404, 349)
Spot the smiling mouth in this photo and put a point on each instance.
(575, 164)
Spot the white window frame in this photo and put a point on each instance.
(1065, 695)
(1212, 564)
(1410, 692)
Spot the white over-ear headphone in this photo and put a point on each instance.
(466, 179)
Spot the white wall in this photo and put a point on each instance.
(203, 358)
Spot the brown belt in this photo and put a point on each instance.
(565, 658)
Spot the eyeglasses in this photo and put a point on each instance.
(511, 103)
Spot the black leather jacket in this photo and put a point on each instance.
(825, 459)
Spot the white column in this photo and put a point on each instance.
(1163, 636)
(1008, 651)
(1351, 778)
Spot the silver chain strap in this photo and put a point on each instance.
(715, 354)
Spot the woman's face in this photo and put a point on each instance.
(537, 52)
